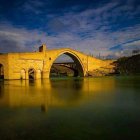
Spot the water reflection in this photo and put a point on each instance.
(89, 108)
(1, 90)
(56, 92)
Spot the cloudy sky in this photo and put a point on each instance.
(108, 27)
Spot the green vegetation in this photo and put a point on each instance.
(128, 65)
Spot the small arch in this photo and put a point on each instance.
(1, 71)
(23, 74)
(31, 73)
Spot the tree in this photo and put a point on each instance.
(136, 51)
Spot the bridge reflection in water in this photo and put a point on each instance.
(51, 93)
(72, 108)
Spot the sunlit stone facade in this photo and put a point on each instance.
(38, 64)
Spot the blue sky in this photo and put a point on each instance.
(108, 27)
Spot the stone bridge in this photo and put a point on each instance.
(37, 65)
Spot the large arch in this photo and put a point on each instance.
(1, 71)
(74, 57)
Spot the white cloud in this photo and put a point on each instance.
(87, 31)
(19, 39)
(99, 42)
(135, 44)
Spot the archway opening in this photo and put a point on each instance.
(1, 71)
(31, 73)
(66, 65)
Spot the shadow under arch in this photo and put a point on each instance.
(75, 58)
(1, 71)
(31, 73)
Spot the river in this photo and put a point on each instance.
(70, 109)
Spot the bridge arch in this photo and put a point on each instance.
(31, 73)
(74, 57)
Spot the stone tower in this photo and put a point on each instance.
(42, 48)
